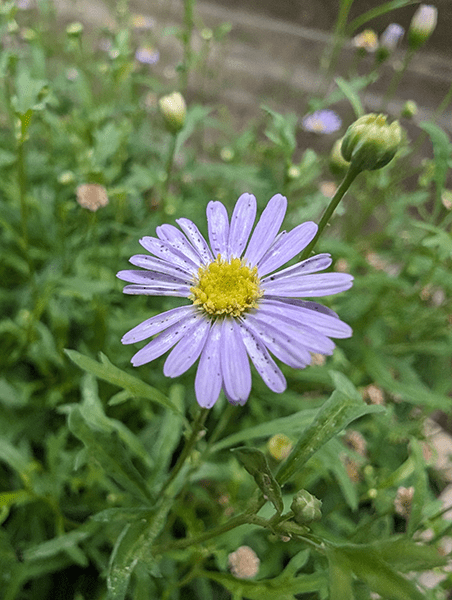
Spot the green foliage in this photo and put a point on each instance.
(112, 483)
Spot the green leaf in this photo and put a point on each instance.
(291, 424)
(340, 576)
(441, 154)
(93, 412)
(339, 410)
(108, 450)
(351, 96)
(420, 484)
(134, 546)
(256, 464)
(368, 565)
(282, 131)
(168, 436)
(406, 555)
(108, 372)
(269, 589)
(381, 9)
(379, 368)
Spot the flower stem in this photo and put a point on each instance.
(187, 449)
(394, 83)
(169, 168)
(340, 192)
(186, 40)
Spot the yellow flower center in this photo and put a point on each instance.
(226, 288)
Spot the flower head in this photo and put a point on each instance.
(367, 40)
(240, 306)
(370, 142)
(391, 36)
(147, 55)
(422, 25)
(322, 121)
(174, 111)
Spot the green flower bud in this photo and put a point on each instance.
(173, 110)
(370, 143)
(422, 25)
(409, 109)
(306, 508)
(74, 29)
(337, 163)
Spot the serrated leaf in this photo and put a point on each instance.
(256, 464)
(108, 372)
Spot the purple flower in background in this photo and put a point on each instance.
(322, 121)
(147, 55)
(391, 36)
(241, 306)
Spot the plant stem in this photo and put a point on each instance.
(186, 39)
(189, 445)
(169, 169)
(394, 83)
(329, 60)
(340, 192)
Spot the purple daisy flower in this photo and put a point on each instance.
(147, 55)
(322, 121)
(241, 306)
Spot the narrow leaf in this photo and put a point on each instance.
(108, 372)
(256, 464)
(108, 450)
(337, 412)
(351, 96)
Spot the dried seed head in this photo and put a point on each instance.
(92, 196)
(244, 563)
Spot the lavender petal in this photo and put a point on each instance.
(157, 324)
(242, 221)
(209, 379)
(309, 285)
(310, 265)
(164, 250)
(235, 366)
(186, 351)
(289, 246)
(196, 238)
(265, 365)
(177, 239)
(218, 227)
(266, 229)
(167, 339)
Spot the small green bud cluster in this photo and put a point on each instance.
(173, 110)
(306, 508)
(370, 142)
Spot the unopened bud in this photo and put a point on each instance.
(306, 508)
(279, 446)
(422, 25)
(391, 36)
(409, 109)
(370, 143)
(74, 29)
(338, 164)
(174, 111)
